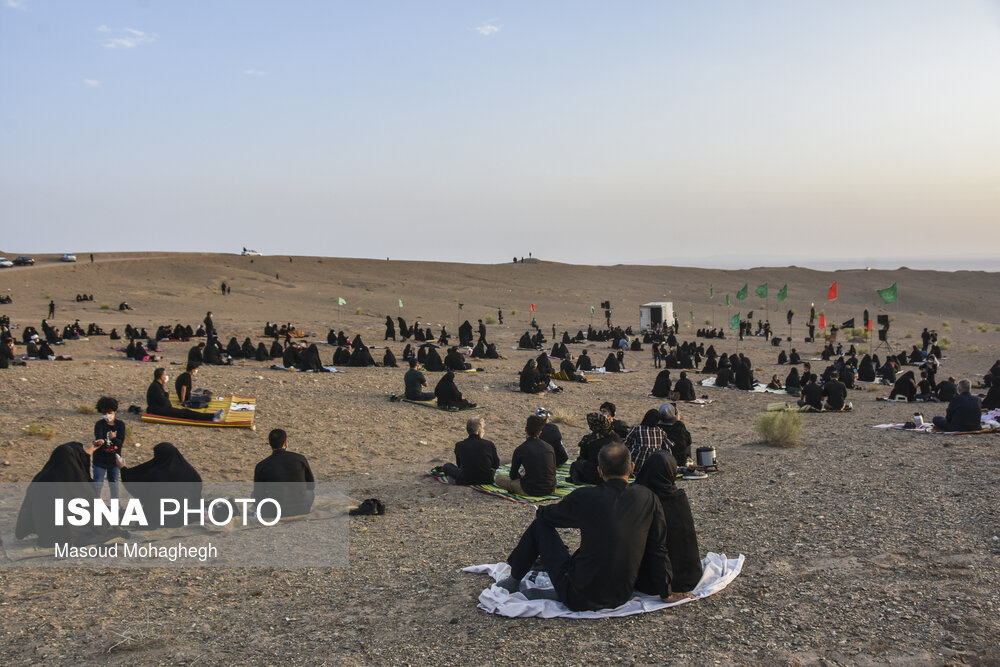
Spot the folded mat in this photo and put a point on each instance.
(990, 423)
(788, 407)
(433, 403)
(719, 572)
(238, 412)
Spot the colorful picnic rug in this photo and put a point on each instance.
(238, 412)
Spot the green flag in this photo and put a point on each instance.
(734, 321)
(400, 303)
(761, 291)
(692, 316)
(743, 293)
(783, 293)
(591, 310)
(889, 294)
(711, 291)
(727, 300)
(341, 301)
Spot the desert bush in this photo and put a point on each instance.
(560, 417)
(514, 311)
(359, 310)
(921, 313)
(40, 430)
(972, 349)
(984, 327)
(708, 323)
(946, 326)
(944, 342)
(129, 435)
(856, 332)
(105, 306)
(965, 321)
(85, 409)
(489, 319)
(861, 349)
(909, 334)
(779, 429)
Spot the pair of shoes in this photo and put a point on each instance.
(217, 417)
(437, 470)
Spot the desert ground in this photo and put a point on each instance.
(862, 546)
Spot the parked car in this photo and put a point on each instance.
(5, 263)
(250, 253)
(24, 260)
(68, 257)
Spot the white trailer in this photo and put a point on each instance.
(656, 313)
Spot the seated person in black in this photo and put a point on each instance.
(724, 378)
(525, 343)
(964, 411)
(609, 410)
(775, 382)
(389, 359)
(538, 460)
(793, 384)
(476, 459)
(455, 361)
(567, 368)
(794, 358)
(415, 381)
(835, 393)
(183, 383)
(622, 540)
(196, 353)
(530, 381)
(662, 385)
(158, 402)
(658, 474)
(432, 361)
(290, 356)
(361, 357)
(166, 475)
(905, 387)
(284, 476)
(677, 433)
(684, 388)
(552, 435)
(946, 390)
(611, 364)
(448, 395)
(782, 358)
(583, 362)
(812, 394)
(584, 469)
(544, 366)
(479, 351)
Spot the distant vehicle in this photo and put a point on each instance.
(250, 253)
(24, 260)
(5, 263)
(68, 257)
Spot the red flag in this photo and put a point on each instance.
(869, 325)
(832, 295)
(822, 320)
(532, 307)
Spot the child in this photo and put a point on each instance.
(109, 436)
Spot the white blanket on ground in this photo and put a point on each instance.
(757, 389)
(719, 573)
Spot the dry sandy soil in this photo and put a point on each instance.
(862, 546)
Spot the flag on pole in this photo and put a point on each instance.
(728, 303)
(532, 307)
(822, 321)
(761, 291)
(591, 310)
(341, 301)
(400, 303)
(734, 322)
(743, 293)
(692, 316)
(849, 324)
(832, 294)
(869, 325)
(889, 294)
(711, 291)
(783, 293)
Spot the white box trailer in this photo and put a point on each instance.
(656, 313)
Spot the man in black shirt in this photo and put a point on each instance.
(284, 476)
(552, 435)
(476, 458)
(539, 461)
(622, 535)
(835, 392)
(812, 393)
(158, 402)
(183, 383)
(196, 355)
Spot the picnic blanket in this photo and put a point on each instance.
(238, 412)
(433, 403)
(788, 407)
(329, 369)
(719, 572)
(758, 388)
(990, 423)
(563, 486)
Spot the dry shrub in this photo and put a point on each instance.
(560, 417)
(359, 310)
(85, 409)
(105, 306)
(872, 387)
(41, 430)
(779, 429)
(946, 326)
(984, 327)
(921, 313)
(489, 319)
(972, 349)
(944, 342)
(909, 334)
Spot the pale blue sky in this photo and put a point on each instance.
(584, 132)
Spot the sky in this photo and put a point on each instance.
(715, 133)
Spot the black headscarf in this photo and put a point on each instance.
(658, 474)
(166, 475)
(65, 475)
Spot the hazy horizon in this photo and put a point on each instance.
(584, 132)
